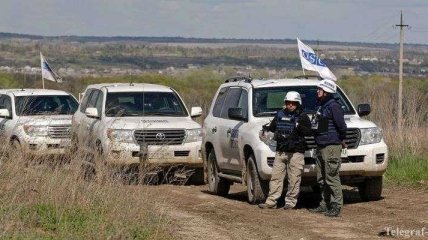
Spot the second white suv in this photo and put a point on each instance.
(37, 121)
(233, 151)
(123, 121)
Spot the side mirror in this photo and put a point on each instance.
(196, 112)
(92, 113)
(236, 114)
(4, 113)
(364, 109)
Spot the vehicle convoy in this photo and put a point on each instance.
(37, 121)
(129, 123)
(234, 152)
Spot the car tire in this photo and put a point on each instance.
(371, 189)
(257, 189)
(197, 178)
(16, 149)
(216, 184)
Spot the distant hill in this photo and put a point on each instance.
(4, 35)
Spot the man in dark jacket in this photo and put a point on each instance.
(290, 126)
(330, 133)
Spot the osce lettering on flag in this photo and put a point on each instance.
(47, 72)
(310, 61)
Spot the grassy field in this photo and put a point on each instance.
(51, 201)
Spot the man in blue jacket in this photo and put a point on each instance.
(330, 133)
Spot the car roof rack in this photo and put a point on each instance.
(309, 76)
(239, 78)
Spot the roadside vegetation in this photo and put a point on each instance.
(53, 201)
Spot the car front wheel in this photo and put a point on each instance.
(257, 188)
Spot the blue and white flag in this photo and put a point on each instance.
(47, 72)
(310, 61)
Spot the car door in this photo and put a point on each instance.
(89, 124)
(229, 130)
(7, 124)
(212, 123)
(79, 128)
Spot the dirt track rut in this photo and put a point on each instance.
(196, 214)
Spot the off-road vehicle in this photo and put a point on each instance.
(129, 123)
(234, 152)
(37, 121)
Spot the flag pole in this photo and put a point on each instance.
(43, 82)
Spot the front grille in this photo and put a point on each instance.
(59, 131)
(160, 136)
(353, 159)
(181, 153)
(380, 158)
(352, 139)
(270, 161)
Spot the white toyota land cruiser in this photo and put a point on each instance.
(37, 121)
(125, 121)
(234, 152)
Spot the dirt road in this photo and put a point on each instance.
(196, 214)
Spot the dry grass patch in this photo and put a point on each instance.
(45, 201)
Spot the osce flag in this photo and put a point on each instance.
(310, 61)
(47, 72)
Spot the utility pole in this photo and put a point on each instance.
(400, 77)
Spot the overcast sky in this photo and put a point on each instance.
(337, 20)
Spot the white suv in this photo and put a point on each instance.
(37, 121)
(125, 121)
(234, 152)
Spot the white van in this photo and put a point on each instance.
(37, 121)
(123, 121)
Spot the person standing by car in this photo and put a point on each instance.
(290, 125)
(330, 132)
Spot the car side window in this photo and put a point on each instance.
(6, 103)
(85, 100)
(243, 103)
(99, 103)
(231, 101)
(219, 102)
(92, 103)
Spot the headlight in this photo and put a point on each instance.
(120, 135)
(193, 135)
(370, 135)
(268, 138)
(36, 130)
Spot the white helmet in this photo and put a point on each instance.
(293, 96)
(328, 86)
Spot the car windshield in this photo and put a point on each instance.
(45, 105)
(129, 104)
(267, 101)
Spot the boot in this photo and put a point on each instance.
(267, 206)
(334, 211)
(288, 207)
(319, 209)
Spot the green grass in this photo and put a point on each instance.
(408, 170)
(47, 221)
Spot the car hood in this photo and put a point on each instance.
(352, 121)
(46, 120)
(151, 123)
